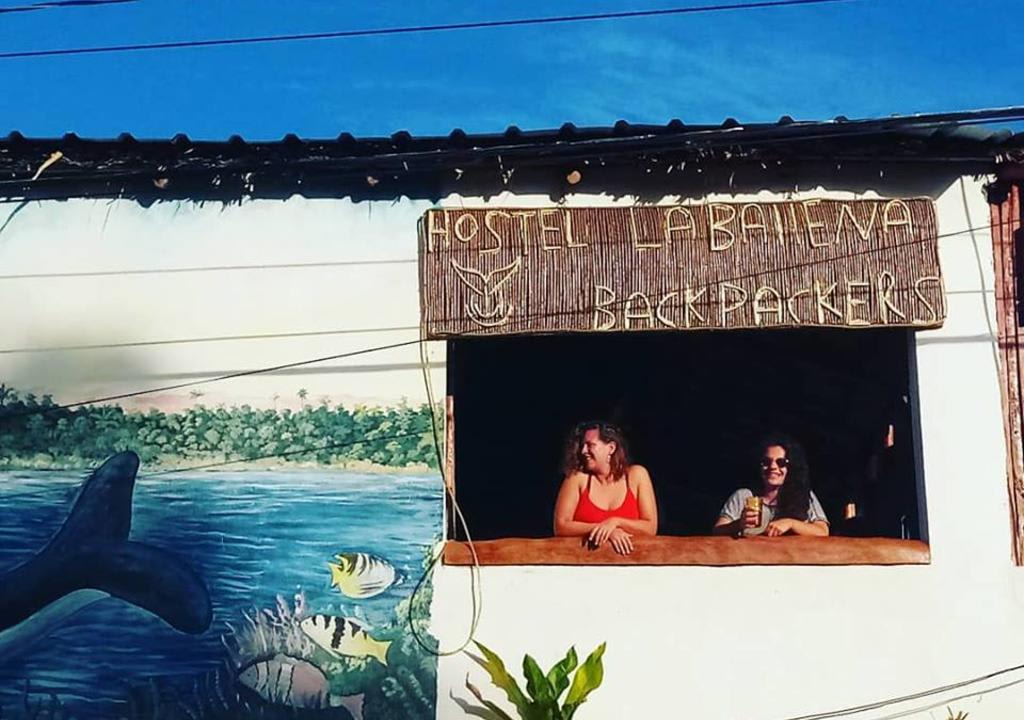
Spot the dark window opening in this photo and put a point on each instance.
(693, 406)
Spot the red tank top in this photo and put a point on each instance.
(587, 511)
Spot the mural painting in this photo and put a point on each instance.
(209, 556)
(226, 593)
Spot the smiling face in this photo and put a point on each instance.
(774, 467)
(595, 453)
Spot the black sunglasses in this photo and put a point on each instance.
(766, 462)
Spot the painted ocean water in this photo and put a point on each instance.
(252, 535)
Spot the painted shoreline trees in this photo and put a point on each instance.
(37, 433)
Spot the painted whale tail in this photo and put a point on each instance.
(103, 508)
(91, 552)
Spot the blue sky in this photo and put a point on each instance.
(862, 58)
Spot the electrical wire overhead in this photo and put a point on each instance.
(409, 30)
(192, 383)
(363, 351)
(288, 453)
(56, 4)
(210, 268)
(886, 702)
(213, 339)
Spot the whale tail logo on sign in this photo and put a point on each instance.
(487, 305)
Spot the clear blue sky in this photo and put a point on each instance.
(861, 58)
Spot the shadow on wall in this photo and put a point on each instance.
(61, 369)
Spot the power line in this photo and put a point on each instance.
(211, 268)
(449, 27)
(178, 386)
(271, 266)
(358, 331)
(475, 587)
(877, 705)
(219, 338)
(56, 4)
(297, 371)
(290, 453)
(275, 336)
(947, 701)
(302, 363)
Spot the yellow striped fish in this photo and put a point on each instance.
(361, 575)
(344, 636)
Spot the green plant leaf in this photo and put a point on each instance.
(502, 715)
(537, 684)
(587, 679)
(558, 676)
(501, 677)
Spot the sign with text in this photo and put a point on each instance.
(824, 263)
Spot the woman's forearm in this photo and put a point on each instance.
(573, 528)
(811, 529)
(639, 526)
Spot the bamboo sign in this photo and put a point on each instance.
(836, 263)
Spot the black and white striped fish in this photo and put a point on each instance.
(285, 680)
(344, 636)
(361, 575)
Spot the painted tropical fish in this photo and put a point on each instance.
(361, 575)
(227, 693)
(286, 680)
(90, 558)
(344, 636)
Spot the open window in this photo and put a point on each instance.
(693, 406)
(698, 329)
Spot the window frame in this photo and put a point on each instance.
(696, 550)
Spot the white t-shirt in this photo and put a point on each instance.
(733, 509)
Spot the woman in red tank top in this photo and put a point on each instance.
(603, 497)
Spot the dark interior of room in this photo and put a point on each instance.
(693, 406)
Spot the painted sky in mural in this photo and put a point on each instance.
(351, 285)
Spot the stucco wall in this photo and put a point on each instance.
(777, 642)
(753, 642)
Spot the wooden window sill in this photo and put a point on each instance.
(712, 551)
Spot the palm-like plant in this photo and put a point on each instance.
(541, 701)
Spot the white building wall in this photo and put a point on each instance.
(779, 642)
(325, 277)
(711, 643)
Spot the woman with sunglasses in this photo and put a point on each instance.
(788, 505)
(603, 497)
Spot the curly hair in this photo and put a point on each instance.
(573, 461)
(795, 494)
